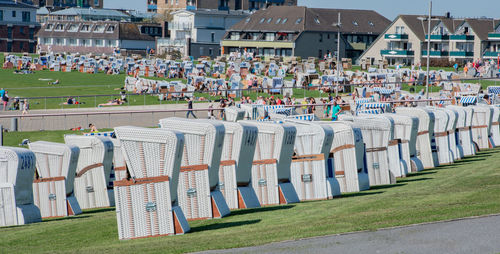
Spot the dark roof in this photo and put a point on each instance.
(418, 26)
(130, 31)
(12, 4)
(313, 19)
(482, 27)
(218, 12)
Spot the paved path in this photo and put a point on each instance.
(471, 235)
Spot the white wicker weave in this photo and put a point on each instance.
(146, 204)
(406, 130)
(119, 164)
(425, 133)
(234, 114)
(347, 159)
(481, 122)
(53, 187)
(199, 196)
(272, 162)
(309, 164)
(93, 171)
(376, 136)
(452, 126)
(494, 129)
(235, 173)
(17, 168)
(463, 131)
(442, 144)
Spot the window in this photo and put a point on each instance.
(13, 14)
(235, 36)
(210, 51)
(202, 51)
(85, 28)
(247, 20)
(212, 37)
(1, 15)
(262, 20)
(278, 21)
(98, 28)
(49, 27)
(269, 20)
(99, 43)
(72, 28)
(270, 36)
(316, 20)
(72, 42)
(47, 41)
(59, 27)
(355, 23)
(320, 38)
(26, 16)
(110, 29)
(58, 41)
(370, 23)
(32, 33)
(298, 21)
(328, 36)
(284, 21)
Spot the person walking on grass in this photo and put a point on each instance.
(5, 100)
(336, 109)
(190, 108)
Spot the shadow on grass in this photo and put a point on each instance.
(261, 209)
(421, 173)
(223, 225)
(405, 180)
(66, 218)
(468, 161)
(387, 186)
(360, 194)
(100, 210)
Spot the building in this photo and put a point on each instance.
(99, 37)
(305, 32)
(85, 14)
(452, 40)
(58, 4)
(18, 27)
(199, 32)
(172, 5)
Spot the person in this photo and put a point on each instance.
(5, 100)
(93, 129)
(455, 66)
(336, 109)
(190, 108)
(211, 110)
(54, 83)
(26, 107)
(2, 92)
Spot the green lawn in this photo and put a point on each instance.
(470, 187)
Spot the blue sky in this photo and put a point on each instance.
(388, 8)
(391, 8)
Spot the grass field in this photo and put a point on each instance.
(469, 187)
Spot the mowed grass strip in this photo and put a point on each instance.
(469, 187)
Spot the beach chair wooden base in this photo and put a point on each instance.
(308, 176)
(73, 207)
(287, 194)
(247, 198)
(219, 206)
(416, 165)
(333, 187)
(50, 196)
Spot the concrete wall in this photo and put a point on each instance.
(204, 49)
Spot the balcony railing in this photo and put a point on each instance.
(170, 43)
(461, 54)
(435, 53)
(491, 54)
(394, 37)
(494, 36)
(438, 37)
(461, 37)
(180, 26)
(397, 52)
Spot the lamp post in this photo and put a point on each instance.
(338, 25)
(428, 19)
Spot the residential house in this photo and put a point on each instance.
(18, 27)
(163, 6)
(305, 32)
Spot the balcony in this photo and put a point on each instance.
(180, 26)
(438, 37)
(396, 52)
(461, 53)
(435, 53)
(461, 37)
(161, 42)
(396, 37)
(494, 36)
(490, 54)
(152, 7)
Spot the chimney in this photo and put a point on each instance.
(448, 15)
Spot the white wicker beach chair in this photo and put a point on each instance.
(481, 122)
(346, 161)
(425, 133)
(199, 196)
(376, 136)
(235, 172)
(234, 114)
(495, 128)
(53, 185)
(442, 144)
(119, 164)
(17, 168)
(272, 162)
(309, 173)
(406, 130)
(463, 134)
(147, 202)
(451, 130)
(93, 171)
